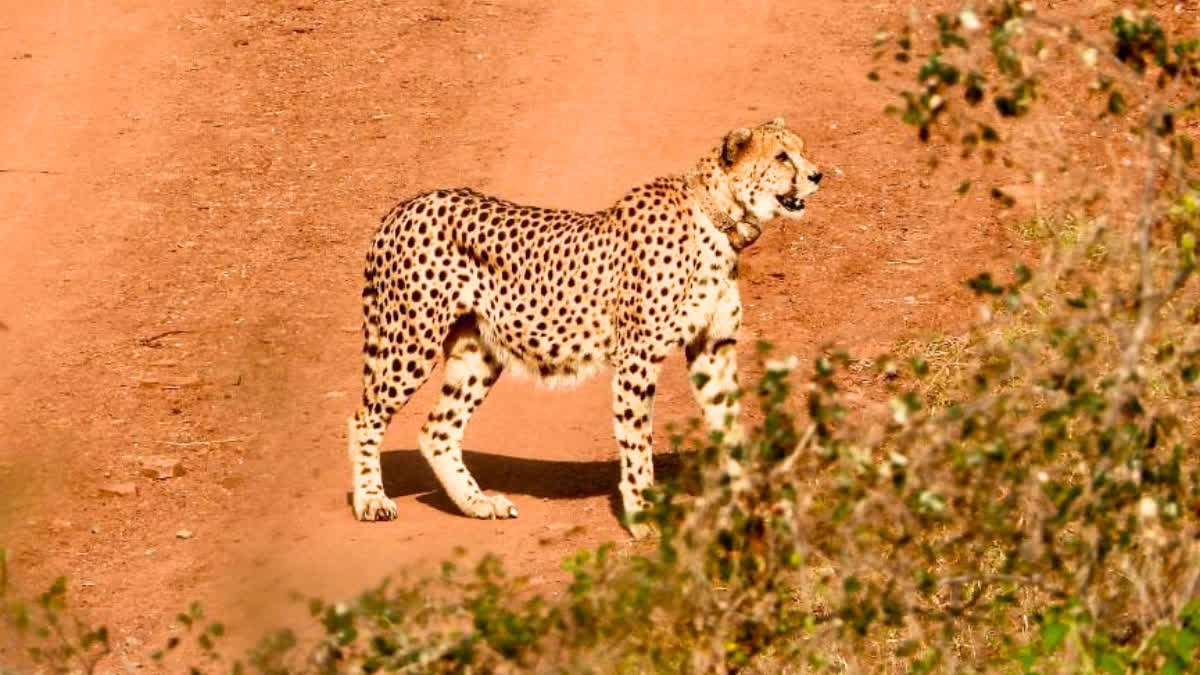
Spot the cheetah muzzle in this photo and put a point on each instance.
(791, 202)
(486, 285)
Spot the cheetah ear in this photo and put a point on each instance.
(735, 143)
(778, 123)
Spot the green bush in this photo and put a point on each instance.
(1027, 501)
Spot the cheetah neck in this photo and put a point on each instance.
(717, 204)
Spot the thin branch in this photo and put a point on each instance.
(39, 171)
(218, 441)
(149, 341)
(1147, 306)
(786, 465)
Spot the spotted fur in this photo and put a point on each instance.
(490, 285)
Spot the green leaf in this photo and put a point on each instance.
(973, 89)
(983, 284)
(1116, 103)
(1024, 274)
(1185, 643)
(1053, 634)
(1111, 662)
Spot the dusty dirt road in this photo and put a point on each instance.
(186, 192)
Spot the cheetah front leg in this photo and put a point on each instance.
(470, 372)
(633, 405)
(712, 370)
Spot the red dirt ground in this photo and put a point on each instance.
(186, 192)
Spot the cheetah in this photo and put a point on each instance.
(489, 285)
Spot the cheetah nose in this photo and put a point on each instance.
(815, 177)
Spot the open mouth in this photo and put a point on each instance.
(790, 202)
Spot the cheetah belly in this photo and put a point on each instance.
(550, 357)
(544, 334)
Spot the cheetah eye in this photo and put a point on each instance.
(782, 157)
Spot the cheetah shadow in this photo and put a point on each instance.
(405, 472)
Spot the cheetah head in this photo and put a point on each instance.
(766, 172)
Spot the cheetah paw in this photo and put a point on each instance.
(374, 507)
(495, 507)
(642, 530)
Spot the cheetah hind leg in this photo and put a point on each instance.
(369, 501)
(471, 370)
(390, 377)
